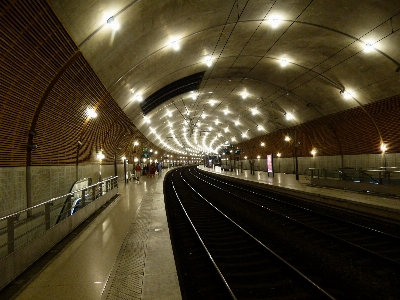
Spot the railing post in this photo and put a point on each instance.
(107, 185)
(47, 215)
(101, 188)
(94, 192)
(69, 205)
(10, 234)
(83, 198)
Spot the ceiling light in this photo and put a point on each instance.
(91, 113)
(346, 94)
(274, 22)
(383, 147)
(147, 120)
(175, 45)
(284, 62)
(226, 111)
(208, 60)
(289, 116)
(138, 97)
(226, 129)
(260, 128)
(254, 111)
(244, 95)
(113, 23)
(216, 122)
(237, 123)
(262, 144)
(203, 116)
(368, 47)
(212, 102)
(287, 138)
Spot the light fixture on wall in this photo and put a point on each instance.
(100, 155)
(32, 146)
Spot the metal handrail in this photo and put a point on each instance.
(56, 198)
(15, 233)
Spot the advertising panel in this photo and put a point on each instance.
(269, 163)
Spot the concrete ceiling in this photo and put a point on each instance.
(322, 42)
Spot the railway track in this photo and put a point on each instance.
(377, 244)
(247, 269)
(339, 257)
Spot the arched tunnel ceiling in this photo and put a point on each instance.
(262, 60)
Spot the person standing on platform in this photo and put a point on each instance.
(252, 162)
(138, 170)
(159, 168)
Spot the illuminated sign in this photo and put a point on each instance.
(269, 163)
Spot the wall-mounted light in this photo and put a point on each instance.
(287, 138)
(258, 156)
(123, 158)
(32, 133)
(262, 144)
(313, 152)
(278, 154)
(383, 147)
(32, 146)
(100, 155)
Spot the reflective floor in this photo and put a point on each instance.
(126, 253)
(90, 266)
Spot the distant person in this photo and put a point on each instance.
(138, 170)
(252, 162)
(159, 168)
(152, 170)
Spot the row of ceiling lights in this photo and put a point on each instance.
(208, 60)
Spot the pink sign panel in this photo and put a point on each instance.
(269, 163)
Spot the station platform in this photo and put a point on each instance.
(126, 252)
(382, 205)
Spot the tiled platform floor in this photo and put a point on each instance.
(125, 253)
